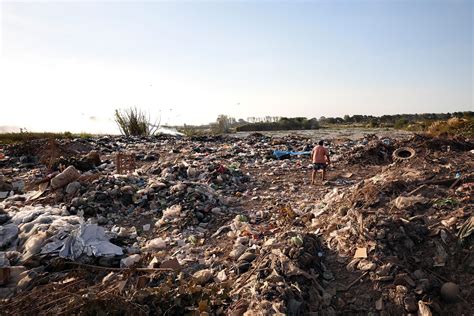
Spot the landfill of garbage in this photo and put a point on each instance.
(214, 225)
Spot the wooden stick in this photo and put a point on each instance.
(455, 183)
(118, 269)
(357, 280)
(440, 182)
(417, 189)
(437, 275)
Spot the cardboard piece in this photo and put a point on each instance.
(361, 253)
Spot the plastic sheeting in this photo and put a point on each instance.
(42, 229)
(89, 239)
(282, 154)
(8, 234)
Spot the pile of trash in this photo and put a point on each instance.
(374, 152)
(285, 277)
(220, 225)
(405, 230)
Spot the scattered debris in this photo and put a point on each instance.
(220, 225)
(125, 163)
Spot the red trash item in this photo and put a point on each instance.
(221, 169)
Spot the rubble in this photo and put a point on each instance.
(69, 175)
(218, 225)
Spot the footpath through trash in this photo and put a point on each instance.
(231, 226)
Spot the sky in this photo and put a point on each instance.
(67, 65)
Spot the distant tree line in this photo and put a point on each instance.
(265, 119)
(442, 122)
(272, 123)
(227, 124)
(283, 123)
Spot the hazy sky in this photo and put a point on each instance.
(67, 65)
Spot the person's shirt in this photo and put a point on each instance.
(319, 154)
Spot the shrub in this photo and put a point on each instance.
(85, 135)
(134, 122)
(401, 123)
(223, 124)
(452, 127)
(191, 131)
(456, 122)
(373, 123)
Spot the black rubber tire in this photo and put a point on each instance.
(397, 157)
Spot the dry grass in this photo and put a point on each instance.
(452, 127)
(12, 138)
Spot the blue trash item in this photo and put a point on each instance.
(284, 154)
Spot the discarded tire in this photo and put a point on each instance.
(404, 153)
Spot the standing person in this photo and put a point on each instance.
(320, 158)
